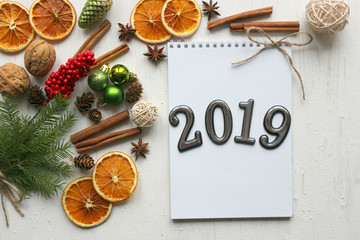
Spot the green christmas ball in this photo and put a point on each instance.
(114, 95)
(119, 74)
(98, 80)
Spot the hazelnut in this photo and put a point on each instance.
(14, 79)
(39, 58)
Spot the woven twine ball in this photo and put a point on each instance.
(327, 16)
(144, 114)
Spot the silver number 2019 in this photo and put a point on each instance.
(280, 132)
(185, 144)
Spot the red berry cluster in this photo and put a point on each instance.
(63, 81)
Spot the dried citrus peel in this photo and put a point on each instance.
(83, 206)
(181, 18)
(16, 31)
(115, 176)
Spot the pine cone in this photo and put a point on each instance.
(84, 161)
(84, 102)
(95, 115)
(36, 96)
(101, 102)
(134, 92)
(93, 11)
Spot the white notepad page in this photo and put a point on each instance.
(231, 180)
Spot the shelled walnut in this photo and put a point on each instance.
(39, 58)
(14, 79)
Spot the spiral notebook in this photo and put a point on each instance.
(231, 179)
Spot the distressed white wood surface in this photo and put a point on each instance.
(325, 143)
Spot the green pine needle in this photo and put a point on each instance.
(32, 148)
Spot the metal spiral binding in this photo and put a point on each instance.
(205, 45)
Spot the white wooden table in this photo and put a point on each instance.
(325, 128)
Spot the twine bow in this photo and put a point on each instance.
(8, 189)
(278, 44)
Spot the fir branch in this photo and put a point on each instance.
(51, 160)
(32, 149)
(54, 132)
(43, 182)
(59, 168)
(17, 177)
(60, 150)
(47, 116)
(3, 147)
(10, 121)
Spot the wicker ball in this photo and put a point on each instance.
(144, 114)
(327, 16)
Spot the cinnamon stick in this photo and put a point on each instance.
(105, 140)
(103, 125)
(239, 16)
(96, 140)
(271, 29)
(110, 55)
(94, 37)
(285, 24)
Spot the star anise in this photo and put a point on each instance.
(155, 54)
(210, 9)
(127, 32)
(140, 148)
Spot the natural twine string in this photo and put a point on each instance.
(327, 16)
(8, 189)
(144, 114)
(278, 45)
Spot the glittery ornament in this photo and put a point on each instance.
(98, 79)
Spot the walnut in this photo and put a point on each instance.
(14, 80)
(39, 58)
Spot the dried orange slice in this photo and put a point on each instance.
(15, 28)
(146, 19)
(83, 206)
(52, 19)
(115, 176)
(181, 17)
